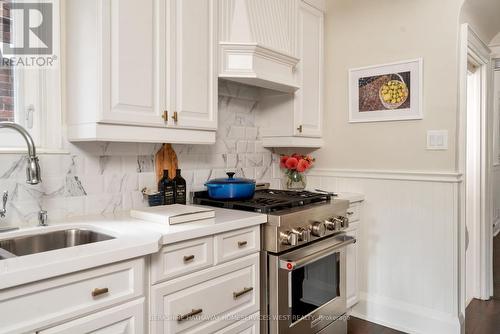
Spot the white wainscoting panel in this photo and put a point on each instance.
(407, 247)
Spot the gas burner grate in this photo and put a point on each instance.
(265, 201)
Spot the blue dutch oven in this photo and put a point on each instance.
(231, 188)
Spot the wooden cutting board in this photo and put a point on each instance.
(165, 158)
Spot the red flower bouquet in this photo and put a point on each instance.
(294, 165)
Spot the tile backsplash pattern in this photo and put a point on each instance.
(98, 178)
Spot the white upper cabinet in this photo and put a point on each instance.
(149, 66)
(130, 72)
(309, 98)
(192, 41)
(296, 120)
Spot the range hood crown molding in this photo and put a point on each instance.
(257, 65)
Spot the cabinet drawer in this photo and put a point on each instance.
(36, 305)
(235, 244)
(181, 259)
(250, 326)
(354, 212)
(208, 301)
(126, 319)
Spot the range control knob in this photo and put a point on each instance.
(344, 221)
(288, 238)
(318, 229)
(332, 224)
(302, 234)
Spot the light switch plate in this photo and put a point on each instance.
(437, 139)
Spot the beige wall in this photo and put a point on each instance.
(361, 33)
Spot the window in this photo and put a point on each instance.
(6, 74)
(30, 72)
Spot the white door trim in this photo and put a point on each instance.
(472, 46)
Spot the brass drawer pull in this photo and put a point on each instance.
(300, 128)
(189, 315)
(99, 291)
(188, 258)
(175, 117)
(165, 115)
(242, 244)
(242, 292)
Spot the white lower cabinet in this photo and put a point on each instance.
(123, 319)
(352, 255)
(352, 268)
(250, 326)
(207, 301)
(60, 299)
(222, 296)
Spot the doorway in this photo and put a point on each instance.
(473, 178)
(476, 233)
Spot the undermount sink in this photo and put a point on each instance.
(49, 241)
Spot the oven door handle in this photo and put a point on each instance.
(290, 265)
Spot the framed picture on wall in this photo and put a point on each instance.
(390, 92)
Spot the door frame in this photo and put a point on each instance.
(471, 46)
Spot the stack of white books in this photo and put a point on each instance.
(175, 214)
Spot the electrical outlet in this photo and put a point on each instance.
(437, 139)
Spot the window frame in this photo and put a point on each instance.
(47, 99)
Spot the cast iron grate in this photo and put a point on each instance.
(264, 201)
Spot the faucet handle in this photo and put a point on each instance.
(5, 197)
(42, 218)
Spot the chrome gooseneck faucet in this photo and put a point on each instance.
(33, 168)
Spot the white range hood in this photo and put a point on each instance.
(257, 43)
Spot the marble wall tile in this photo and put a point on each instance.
(99, 178)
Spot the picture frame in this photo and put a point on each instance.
(388, 92)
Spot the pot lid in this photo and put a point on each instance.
(231, 180)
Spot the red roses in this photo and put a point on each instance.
(297, 162)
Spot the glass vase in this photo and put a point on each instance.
(293, 180)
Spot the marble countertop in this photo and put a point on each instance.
(351, 197)
(133, 238)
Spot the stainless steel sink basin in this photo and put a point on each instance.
(45, 242)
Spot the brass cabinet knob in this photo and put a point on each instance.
(165, 115)
(188, 258)
(175, 117)
(242, 292)
(189, 315)
(99, 291)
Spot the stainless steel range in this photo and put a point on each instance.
(303, 259)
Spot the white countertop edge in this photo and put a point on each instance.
(351, 197)
(203, 231)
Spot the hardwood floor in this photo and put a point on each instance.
(483, 317)
(358, 326)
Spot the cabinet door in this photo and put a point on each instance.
(123, 319)
(352, 292)
(191, 53)
(130, 62)
(309, 98)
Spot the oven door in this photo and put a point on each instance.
(309, 287)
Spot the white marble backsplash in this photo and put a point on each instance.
(97, 178)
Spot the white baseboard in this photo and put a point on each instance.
(405, 317)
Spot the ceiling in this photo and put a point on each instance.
(483, 16)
